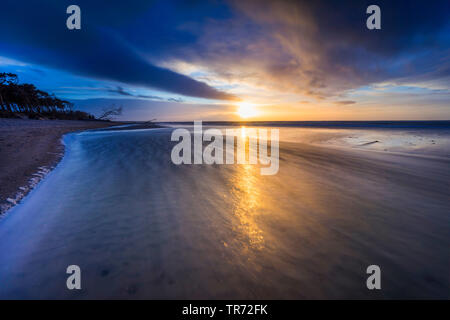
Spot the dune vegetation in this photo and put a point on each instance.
(26, 101)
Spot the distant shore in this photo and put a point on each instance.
(31, 148)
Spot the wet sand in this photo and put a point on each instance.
(29, 149)
(141, 227)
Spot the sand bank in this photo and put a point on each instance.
(29, 149)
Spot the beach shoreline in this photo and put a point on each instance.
(141, 227)
(30, 149)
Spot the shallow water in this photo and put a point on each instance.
(142, 227)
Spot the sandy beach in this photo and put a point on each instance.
(29, 149)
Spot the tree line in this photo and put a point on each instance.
(27, 99)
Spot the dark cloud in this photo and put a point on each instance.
(119, 90)
(323, 48)
(345, 102)
(175, 100)
(34, 31)
(316, 48)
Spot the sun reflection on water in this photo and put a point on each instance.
(246, 207)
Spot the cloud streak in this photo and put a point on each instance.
(319, 49)
(95, 51)
(120, 91)
(345, 102)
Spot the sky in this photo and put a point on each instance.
(235, 60)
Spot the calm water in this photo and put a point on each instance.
(141, 227)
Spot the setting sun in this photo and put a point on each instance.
(246, 110)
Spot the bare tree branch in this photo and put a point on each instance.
(111, 112)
